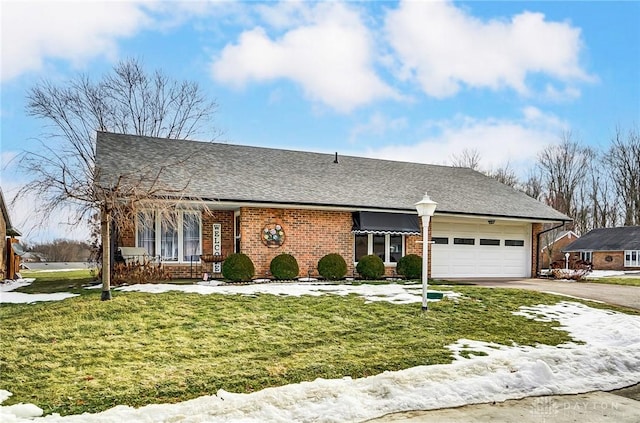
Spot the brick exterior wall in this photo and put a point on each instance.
(310, 234)
(603, 260)
(599, 260)
(536, 228)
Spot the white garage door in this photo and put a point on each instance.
(477, 250)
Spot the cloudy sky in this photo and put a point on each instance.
(416, 80)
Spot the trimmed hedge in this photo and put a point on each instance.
(238, 267)
(284, 266)
(370, 267)
(410, 266)
(332, 267)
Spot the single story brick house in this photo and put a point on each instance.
(608, 248)
(553, 247)
(266, 201)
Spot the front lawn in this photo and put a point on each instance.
(47, 282)
(81, 354)
(615, 281)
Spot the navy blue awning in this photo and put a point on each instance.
(386, 223)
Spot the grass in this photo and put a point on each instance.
(615, 281)
(73, 281)
(61, 281)
(83, 355)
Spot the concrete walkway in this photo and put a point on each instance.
(621, 406)
(594, 407)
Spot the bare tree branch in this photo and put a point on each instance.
(128, 100)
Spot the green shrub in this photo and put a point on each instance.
(238, 267)
(332, 267)
(370, 267)
(284, 266)
(410, 266)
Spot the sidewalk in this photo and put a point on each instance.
(594, 407)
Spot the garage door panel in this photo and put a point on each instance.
(456, 260)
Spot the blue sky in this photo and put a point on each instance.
(417, 81)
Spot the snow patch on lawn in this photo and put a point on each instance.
(608, 359)
(393, 293)
(8, 296)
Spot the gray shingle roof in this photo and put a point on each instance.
(253, 174)
(608, 239)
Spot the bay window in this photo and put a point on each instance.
(176, 237)
(191, 235)
(146, 232)
(169, 239)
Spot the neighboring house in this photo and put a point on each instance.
(33, 257)
(608, 248)
(9, 261)
(317, 204)
(554, 247)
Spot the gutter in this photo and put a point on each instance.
(538, 244)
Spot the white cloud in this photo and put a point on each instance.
(378, 124)
(285, 14)
(35, 31)
(498, 141)
(561, 95)
(330, 56)
(444, 48)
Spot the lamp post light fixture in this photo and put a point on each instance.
(425, 207)
(566, 261)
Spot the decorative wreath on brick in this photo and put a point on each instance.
(273, 235)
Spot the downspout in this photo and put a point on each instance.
(538, 244)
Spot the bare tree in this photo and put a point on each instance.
(127, 100)
(623, 160)
(563, 168)
(602, 199)
(533, 186)
(468, 158)
(505, 175)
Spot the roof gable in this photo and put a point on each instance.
(608, 239)
(569, 235)
(10, 230)
(237, 173)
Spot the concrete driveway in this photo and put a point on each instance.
(628, 296)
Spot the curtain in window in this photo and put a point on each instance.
(169, 239)
(147, 232)
(191, 236)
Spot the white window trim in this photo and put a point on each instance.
(631, 262)
(236, 233)
(583, 254)
(387, 247)
(180, 230)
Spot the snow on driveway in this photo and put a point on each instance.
(608, 359)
